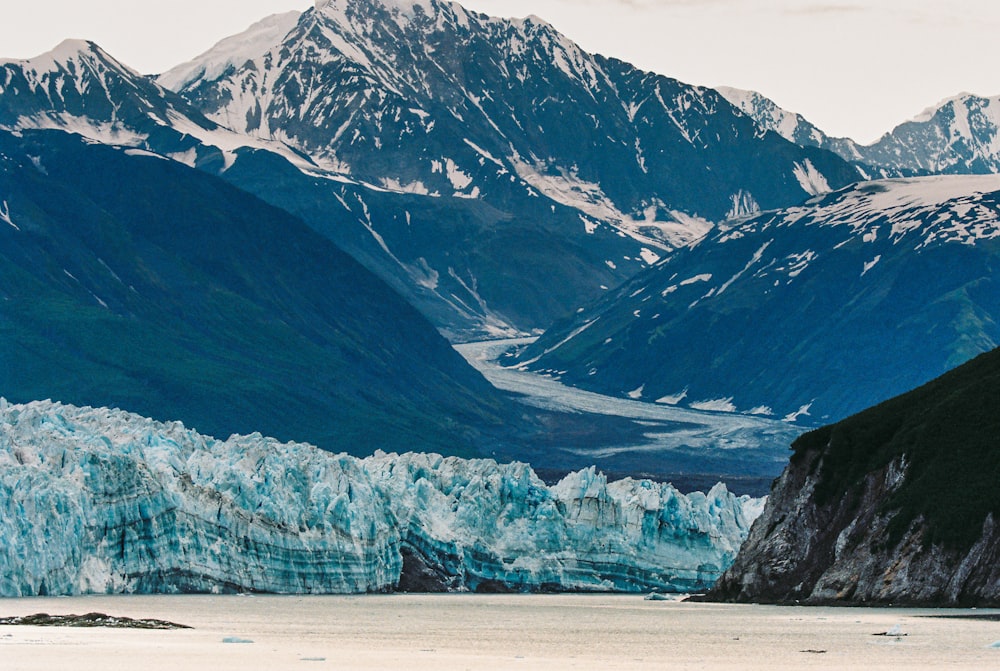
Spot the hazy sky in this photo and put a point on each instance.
(852, 67)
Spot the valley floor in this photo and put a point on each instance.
(692, 448)
(493, 631)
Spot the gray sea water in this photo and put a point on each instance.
(462, 631)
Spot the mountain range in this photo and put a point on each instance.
(810, 313)
(960, 135)
(499, 179)
(488, 169)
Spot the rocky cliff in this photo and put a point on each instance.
(896, 505)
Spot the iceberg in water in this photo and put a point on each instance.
(94, 500)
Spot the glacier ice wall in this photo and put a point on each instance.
(103, 501)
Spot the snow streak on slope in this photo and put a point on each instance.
(98, 500)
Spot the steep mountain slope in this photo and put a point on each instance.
(80, 88)
(99, 500)
(812, 312)
(580, 170)
(133, 281)
(897, 504)
(960, 135)
(488, 169)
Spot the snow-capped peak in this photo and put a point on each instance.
(404, 8)
(770, 116)
(63, 54)
(233, 51)
(407, 6)
(929, 112)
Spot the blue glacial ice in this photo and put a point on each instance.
(94, 500)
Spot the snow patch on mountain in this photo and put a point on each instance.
(97, 131)
(715, 405)
(5, 215)
(812, 180)
(569, 189)
(902, 204)
(765, 112)
(673, 399)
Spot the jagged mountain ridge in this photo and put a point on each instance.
(960, 135)
(430, 83)
(431, 102)
(136, 282)
(792, 313)
(896, 505)
(443, 149)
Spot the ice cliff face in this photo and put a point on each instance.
(98, 500)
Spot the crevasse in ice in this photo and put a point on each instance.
(99, 500)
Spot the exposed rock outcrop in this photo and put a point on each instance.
(896, 505)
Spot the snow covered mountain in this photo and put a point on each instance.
(136, 282)
(960, 135)
(956, 136)
(809, 313)
(79, 88)
(488, 169)
(489, 161)
(101, 501)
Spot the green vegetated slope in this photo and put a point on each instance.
(896, 505)
(133, 281)
(948, 433)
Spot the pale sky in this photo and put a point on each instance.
(852, 67)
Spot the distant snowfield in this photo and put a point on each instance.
(670, 428)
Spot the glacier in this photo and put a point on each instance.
(98, 500)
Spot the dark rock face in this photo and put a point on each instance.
(896, 505)
(423, 574)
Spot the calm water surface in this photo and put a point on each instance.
(491, 632)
